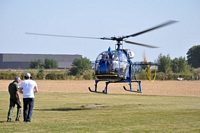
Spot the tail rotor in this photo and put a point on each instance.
(151, 75)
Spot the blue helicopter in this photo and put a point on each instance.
(116, 66)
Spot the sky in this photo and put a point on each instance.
(99, 18)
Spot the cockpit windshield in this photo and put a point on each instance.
(113, 55)
(109, 62)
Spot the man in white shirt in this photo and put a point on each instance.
(28, 87)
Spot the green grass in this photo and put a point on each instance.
(73, 112)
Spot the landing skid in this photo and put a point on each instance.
(105, 91)
(131, 90)
(95, 89)
(139, 90)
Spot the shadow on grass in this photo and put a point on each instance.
(88, 107)
(63, 109)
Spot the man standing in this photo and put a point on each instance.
(28, 87)
(13, 90)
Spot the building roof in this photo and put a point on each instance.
(16, 61)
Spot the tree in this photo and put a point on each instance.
(182, 64)
(36, 64)
(193, 56)
(73, 71)
(47, 64)
(164, 63)
(79, 66)
(50, 64)
(175, 65)
(179, 65)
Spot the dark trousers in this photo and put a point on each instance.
(28, 108)
(11, 108)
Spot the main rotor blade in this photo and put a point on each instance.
(61, 35)
(140, 44)
(153, 28)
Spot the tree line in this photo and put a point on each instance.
(178, 65)
(81, 68)
(166, 66)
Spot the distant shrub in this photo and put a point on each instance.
(70, 77)
(78, 77)
(8, 75)
(51, 76)
(61, 76)
(142, 75)
(40, 74)
(87, 76)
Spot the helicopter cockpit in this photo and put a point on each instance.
(110, 64)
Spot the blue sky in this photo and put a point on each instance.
(98, 18)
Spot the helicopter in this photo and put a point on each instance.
(116, 66)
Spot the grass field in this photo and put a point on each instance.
(68, 106)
